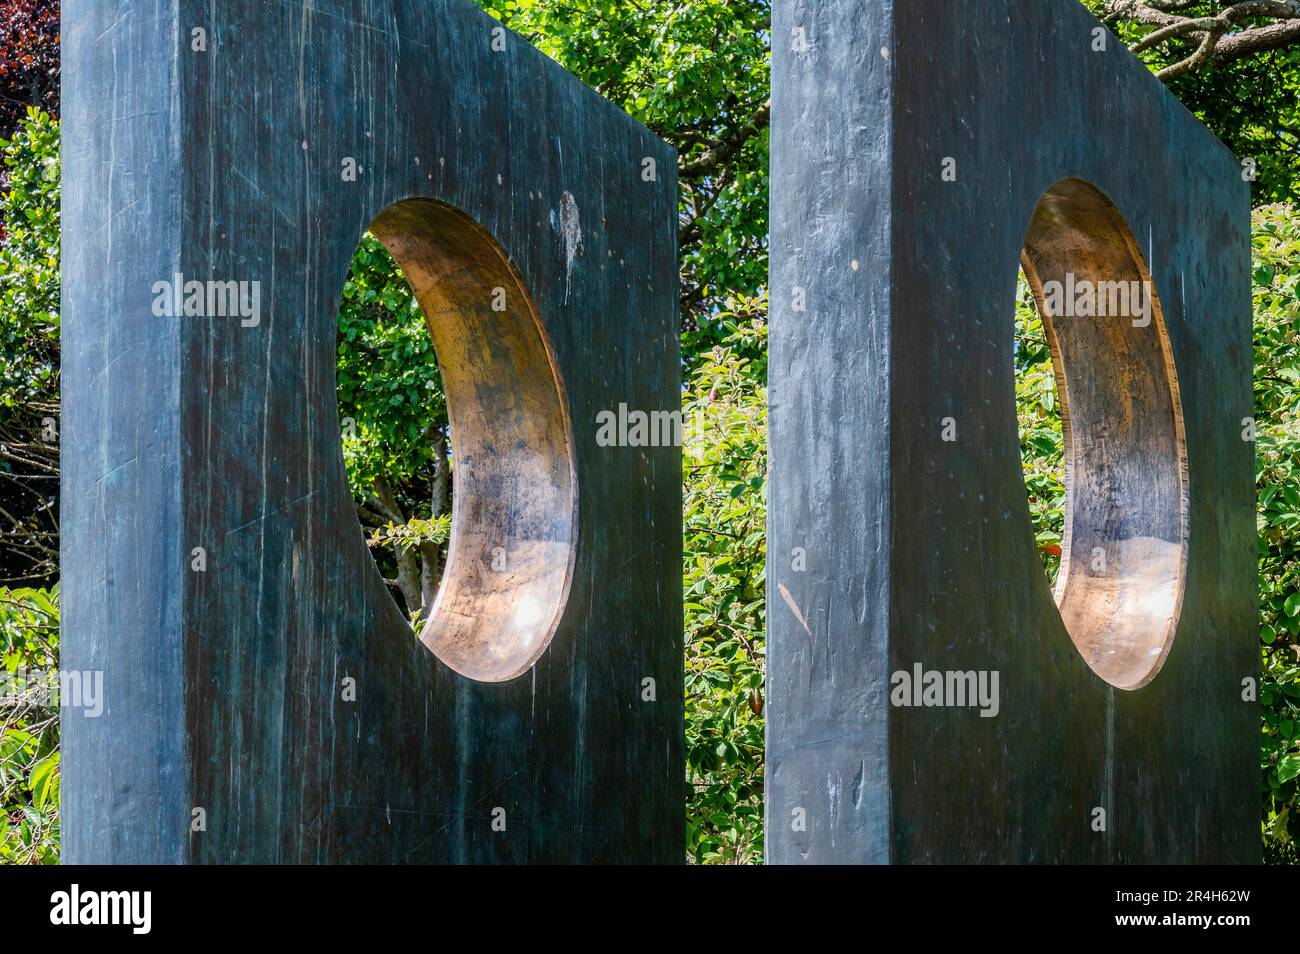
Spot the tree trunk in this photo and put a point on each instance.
(439, 503)
(408, 563)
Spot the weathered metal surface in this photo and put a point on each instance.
(899, 530)
(226, 688)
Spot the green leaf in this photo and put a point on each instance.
(1288, 768)
(43, 774)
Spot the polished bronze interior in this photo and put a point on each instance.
(1124, 548)
(514, 511)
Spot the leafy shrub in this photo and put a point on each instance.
(29, 353)
(396, 435)
(29, 401)
(29, 59)
(29, 727)
(1277, 461)
(1039, 418)
(724, 470)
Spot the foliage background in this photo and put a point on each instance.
(697, 73)
(1277, 463)
(29, 406)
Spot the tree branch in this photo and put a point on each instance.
(1271, 37)
(1218, 38)
(728, 146)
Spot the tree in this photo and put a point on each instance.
(1236, 65)
(29, 294)
(1205, 33)
(29, 60)
(29, 354)
(29, 396)
(396, 436)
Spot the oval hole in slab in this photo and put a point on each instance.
(511, 551)
(1124, 541)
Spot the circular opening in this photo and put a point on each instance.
(513, 515)
(1123, 547)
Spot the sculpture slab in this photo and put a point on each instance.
(929, 701)
(266, 701)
